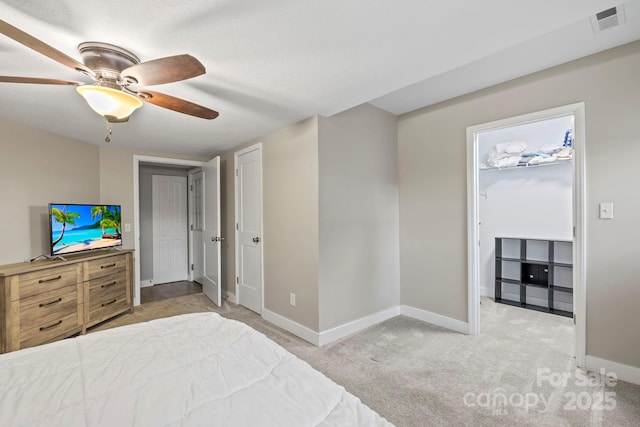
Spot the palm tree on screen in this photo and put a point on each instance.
(112, 219)
(98, 211)
(63, 217)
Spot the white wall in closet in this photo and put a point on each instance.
(531, 202)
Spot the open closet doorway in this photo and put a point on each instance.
(171, 227)
(526, 215)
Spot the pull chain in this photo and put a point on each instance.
(107, 139)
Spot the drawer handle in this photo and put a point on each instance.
(50, 280)
(109, 303)
(44, 304)
(110, 284)
(108, 266)
(44, 328)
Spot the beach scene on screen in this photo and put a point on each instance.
(77, 228)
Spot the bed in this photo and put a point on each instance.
(190, 370)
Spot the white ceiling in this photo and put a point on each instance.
(273, 63)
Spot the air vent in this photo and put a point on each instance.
(608, 19)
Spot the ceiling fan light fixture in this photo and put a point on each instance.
(109, 102)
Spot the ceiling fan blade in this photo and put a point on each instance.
(163, 70)
(38, 80)
(177, 104)
(41, 47)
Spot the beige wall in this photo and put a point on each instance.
(330, 187)
(37, 168)
(290, 219)
(290, 174)
(432, 162)
(358, 202)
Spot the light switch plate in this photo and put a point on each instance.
(606, 210)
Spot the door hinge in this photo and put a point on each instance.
(574, 319)
(237, 279)
(574, 231)
(191, 187)
(191, 226)
(236, 172)
(192, 267)
(237, 226)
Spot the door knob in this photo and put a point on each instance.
(256, 240)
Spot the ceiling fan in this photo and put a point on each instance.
(120, 79)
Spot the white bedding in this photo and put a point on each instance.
(190, 370)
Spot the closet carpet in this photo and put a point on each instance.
(416, 374)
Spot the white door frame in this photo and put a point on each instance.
(579, 209)
(137, 159)
(257, 146)
(191, 203)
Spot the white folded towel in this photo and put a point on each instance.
(510, 150)
(507, 161)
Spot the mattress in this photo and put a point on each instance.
(190, 370)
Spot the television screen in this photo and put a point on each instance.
(76, 228)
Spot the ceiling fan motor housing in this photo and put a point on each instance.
(106, 60)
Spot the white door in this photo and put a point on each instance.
(197, 225)
(211, 285)
(170, 250)
(249, 227)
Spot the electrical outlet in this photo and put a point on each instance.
(292, 299)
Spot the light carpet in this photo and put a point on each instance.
(417, 374)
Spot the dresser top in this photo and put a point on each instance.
(43, 264)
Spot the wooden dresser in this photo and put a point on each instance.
(45, 301)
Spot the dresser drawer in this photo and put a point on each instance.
(48, 307)
(48, 331)
(110, 281)
(106, 266)
(107, 307)
(113, 288)
(37, 282)
(107, 295)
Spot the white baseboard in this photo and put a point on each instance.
(355, 326)
(146, 283)
(231, 297)
(436, 319)
(291, 326)
(333, 334)
(626, 373)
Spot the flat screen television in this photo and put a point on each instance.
(76, 227)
